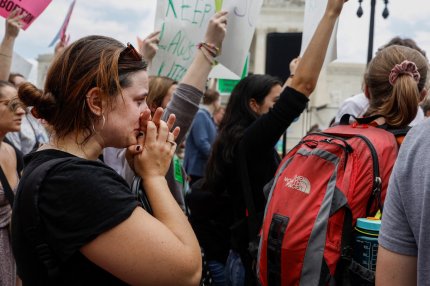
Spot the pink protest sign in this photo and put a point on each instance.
(32, 8)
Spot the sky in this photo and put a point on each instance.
(125, 19)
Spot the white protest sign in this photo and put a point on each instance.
(21, 65)
(183, 24)
(242, 20)
(314, 10)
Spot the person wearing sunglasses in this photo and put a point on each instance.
(11, 113)
(92, 227)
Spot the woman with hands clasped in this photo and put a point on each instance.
(189, 92)
(92, 230)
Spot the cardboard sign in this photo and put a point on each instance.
(183, 25)
(33, 8)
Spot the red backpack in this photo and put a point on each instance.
(321, 187)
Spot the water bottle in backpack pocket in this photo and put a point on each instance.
(365, 251)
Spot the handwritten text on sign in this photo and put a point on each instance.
(183, 24)
(32, 9)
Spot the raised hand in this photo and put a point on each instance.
(145, 118)
(293, 65)
(217, 29)
(13, 23)
(334, 7)
(62, 44)
(148, 47)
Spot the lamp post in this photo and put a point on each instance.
(385, 15)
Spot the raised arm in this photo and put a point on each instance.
(308, 70)
(186, 99)
(13, 24)
(199, 69)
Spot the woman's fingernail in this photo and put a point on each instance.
(138, 147)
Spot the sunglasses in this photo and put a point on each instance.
(13, 104)
(130, 51)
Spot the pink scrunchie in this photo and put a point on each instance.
(406, 67)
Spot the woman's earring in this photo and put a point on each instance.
(103, 124)
(104, 121)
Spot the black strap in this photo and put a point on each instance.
(275, 238)
(7, 189)
(28, 196)
(139, 192)
(344, 120)
(397, 132)
(19, 157)
(342, 274)
(247, 194)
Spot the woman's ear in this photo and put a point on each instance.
(254, 105)
(94, 101)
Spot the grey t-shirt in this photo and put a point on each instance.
(405, 225)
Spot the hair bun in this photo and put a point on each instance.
(44, 104)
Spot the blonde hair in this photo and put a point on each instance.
(397, 103)
(158, 89)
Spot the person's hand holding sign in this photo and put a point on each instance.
(13, 23)
(148, 47)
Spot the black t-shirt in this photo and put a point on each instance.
(78, 200)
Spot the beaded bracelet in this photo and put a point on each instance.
(209, 51)
(211, 48)
(209, 57)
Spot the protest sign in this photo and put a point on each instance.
(314, 10)
(226, 86)
(32, 9)
(21, 65)
(183, 25)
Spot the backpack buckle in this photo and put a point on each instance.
(358, 125)
(377, 184)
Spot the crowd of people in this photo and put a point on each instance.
(70, 152)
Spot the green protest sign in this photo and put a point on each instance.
(226, 86)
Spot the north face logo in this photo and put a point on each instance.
(298, 183)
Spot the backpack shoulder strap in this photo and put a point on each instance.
(399, 133)
(344, 120)
(6, 188)
(28, 196)
(19, 157)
